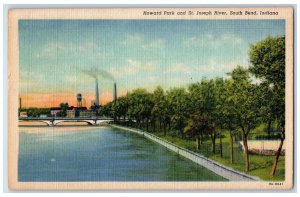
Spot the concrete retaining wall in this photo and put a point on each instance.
(221, 170)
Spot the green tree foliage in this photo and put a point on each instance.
(219, 96)
(36, 112)
(140, 106)
(107, 110)
(119, 108)
(226, 113)
(63, 111)
(160, 110)
(199, 125)
(210, 107)
(268, 60)
(178, 99)
(203, 98)
(268, 65)
(246, 105)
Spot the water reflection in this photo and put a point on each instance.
(100, 154)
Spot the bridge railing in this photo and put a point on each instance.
(65, 118)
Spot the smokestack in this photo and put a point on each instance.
(20, 102)
(115, 91)
(97, 94)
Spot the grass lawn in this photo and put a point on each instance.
(260, 165)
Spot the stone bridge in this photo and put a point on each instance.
(53, 121)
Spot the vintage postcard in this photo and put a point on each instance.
(151, 99)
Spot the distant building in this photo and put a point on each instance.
(87, 113)
(54, 110)
(71, 113)
(80, 112)
(23, 114)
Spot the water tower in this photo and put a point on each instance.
(79, 100)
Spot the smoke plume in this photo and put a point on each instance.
(96, 73)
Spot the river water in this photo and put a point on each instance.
(100, 154)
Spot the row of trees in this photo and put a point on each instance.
(36, 112)
(210, 107)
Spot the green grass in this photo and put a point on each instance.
(260, 165)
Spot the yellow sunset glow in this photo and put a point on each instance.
(47, 100)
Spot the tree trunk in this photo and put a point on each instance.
(269, 129)
(272, 173)
(246, 153)
(181, 129)
(213, 140)
(201, 138)
(181, 132)
(214, 146)
(198, 142)
(165, 129)
(231, 148)
(159, 125)
(154, 125)
(147, 124)
(221, 147)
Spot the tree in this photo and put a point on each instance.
(208, 106)
(203, 99)
(227, 114)
(36, 112)
(63, 109)
(177, 99)
(159, 110)
(268, 64)
(246, 106)
(198, 126)
(120, 108)
(140, 106)
(219, 119)
(106, 110)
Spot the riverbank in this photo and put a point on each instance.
(219, 169)
(260, 165)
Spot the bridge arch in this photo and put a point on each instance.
(52, 121)
(103, 121)
(90, 122)
(45, 122)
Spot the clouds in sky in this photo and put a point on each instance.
(139, 53)
(138, 40)
(133, 67)
(132, 39)
(210, 40)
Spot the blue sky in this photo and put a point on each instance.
(139, 53)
